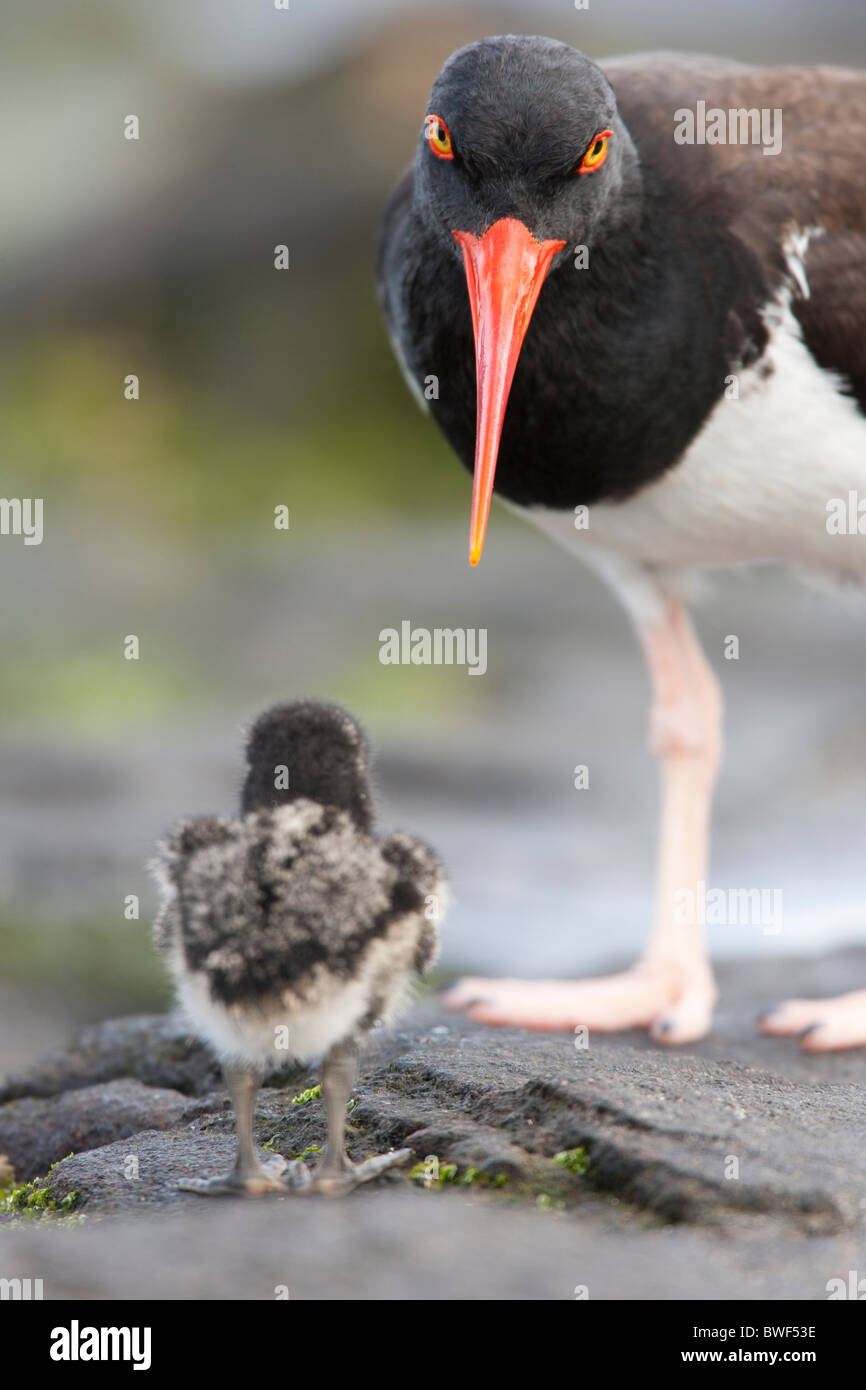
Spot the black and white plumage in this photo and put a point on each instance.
(291, 930)
(696, 381)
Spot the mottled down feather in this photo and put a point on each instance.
(267, 902)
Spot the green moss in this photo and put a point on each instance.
(432, 1172)
(314, 1093)
(310, 1149)
(545, 1202)
(473, 1177)
(35, 1198)
(573, 1161)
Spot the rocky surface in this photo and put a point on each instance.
(37, 1133)
(736, 1169)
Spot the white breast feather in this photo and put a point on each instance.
(756, 482)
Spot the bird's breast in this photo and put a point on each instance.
(603, 401)
(770, 477)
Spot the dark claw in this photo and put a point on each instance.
(810, 1028)
(481, 999)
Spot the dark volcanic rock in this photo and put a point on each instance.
(734, 1169)
(142, 1172)
(34, 1133)
(682, 1138)
(156, 1050)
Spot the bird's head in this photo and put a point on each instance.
(312, 750)
(522, 158)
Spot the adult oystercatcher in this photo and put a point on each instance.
(659, 267)
(291, 931)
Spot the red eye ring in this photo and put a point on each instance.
(438, 136)
(596, 153)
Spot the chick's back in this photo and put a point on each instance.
(270, 901)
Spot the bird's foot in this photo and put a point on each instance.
(675, 1007)
(271, 1175)
(822, 1025)
(337, 1181)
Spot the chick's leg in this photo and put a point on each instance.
(336, 1173)
(250, 1174)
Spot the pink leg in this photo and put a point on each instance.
(670, 990)
(823, 1025)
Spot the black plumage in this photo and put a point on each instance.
(622, 366)
(323, 749)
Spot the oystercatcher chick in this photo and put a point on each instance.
(641, 289)
(291, 931)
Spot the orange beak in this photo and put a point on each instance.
(505, 269)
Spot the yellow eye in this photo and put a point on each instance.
(596, 154)
(438, 135)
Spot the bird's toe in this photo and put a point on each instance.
(821, 1025)
(465, 993)
(651, 997)
(273, 1174)
(338, 1183)
(790, 1018)
(687, 1021)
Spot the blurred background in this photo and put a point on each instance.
(259, 388)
